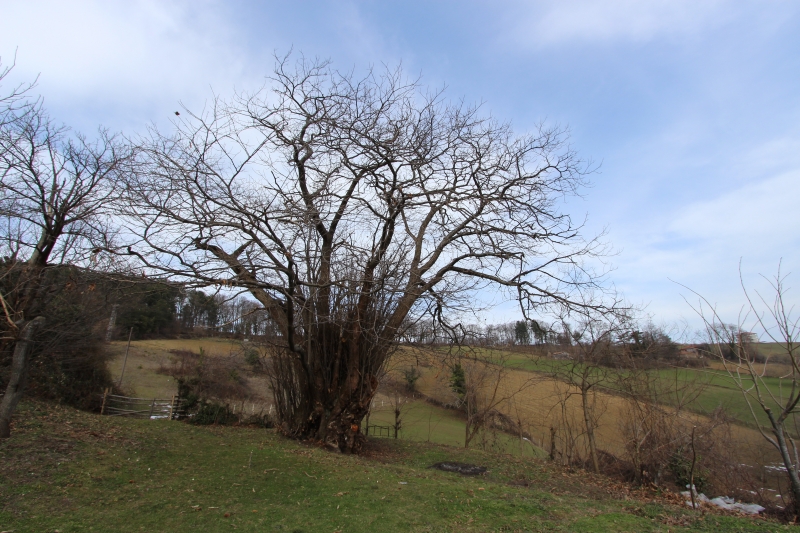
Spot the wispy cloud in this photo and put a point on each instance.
(126, 55)
(587, 21)
(705, 241)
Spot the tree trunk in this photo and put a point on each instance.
(587, 418)
(319, 400)
(791, 468)
(19, 371)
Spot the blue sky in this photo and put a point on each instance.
(691, 107)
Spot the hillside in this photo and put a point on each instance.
(68, 471)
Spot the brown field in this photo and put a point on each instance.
(531, 399)
(147, 357)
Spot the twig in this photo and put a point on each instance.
(691, 472)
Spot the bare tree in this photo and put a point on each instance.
(16, 102)
(346, 206)
(732, 349)
(590, 369)
(485, 390)
(54, 188)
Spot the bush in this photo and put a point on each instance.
(209, 385)
(204, 377)
(68, 360)
(680, 466)
(411, 375)
(253, 358)
(207, 413)
(458, 380)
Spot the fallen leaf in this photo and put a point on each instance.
(227, 515)
(131, 481)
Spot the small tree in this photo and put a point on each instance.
(731, 348)
(458, 382)
(480, 381)
(411, 375)
(521, 333)
(55, 188)
(594, 339)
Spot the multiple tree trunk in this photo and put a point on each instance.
(350, 208)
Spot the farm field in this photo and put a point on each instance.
(70, 471)
(535, 408)
(147, 357)
(534, 402)
(714, 387)
(421, 421)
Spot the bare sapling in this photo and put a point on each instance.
(771, 408)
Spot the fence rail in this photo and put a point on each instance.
(149, 408)
(379, 431)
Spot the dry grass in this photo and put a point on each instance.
(144, 372)
(534, 401)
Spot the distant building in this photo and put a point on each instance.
(690, 351)
(748, 337)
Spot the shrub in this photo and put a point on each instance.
(411, 375)
(680, 466)
(68, 361)
(458, 380)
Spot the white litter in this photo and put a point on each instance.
(724, 502)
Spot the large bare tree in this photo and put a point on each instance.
(348, 207)
(53, 190)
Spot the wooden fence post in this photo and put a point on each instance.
(172, 407)
(125, 361)
(105, 396)
(152, 406)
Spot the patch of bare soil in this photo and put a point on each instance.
(382, 451)
(465, 469)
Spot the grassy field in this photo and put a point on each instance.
(421, 420)
(534, 408)
(424, 422)
(70, 471)
(147, 357)
(713, 387)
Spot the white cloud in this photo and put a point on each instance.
(126, 55)
(756, 218)
(703, 243)
(558, 21)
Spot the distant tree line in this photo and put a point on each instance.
(640, 341)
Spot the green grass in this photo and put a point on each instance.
(424, 422)
(68, 471)
(716, 387)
